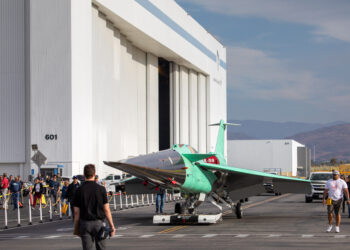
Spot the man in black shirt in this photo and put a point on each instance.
(72, 188)
(90, 209)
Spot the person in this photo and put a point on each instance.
(160, 199)
(64, 190)
(21, 188)
(10, 179)
(97, 180)
(72, 188)
(1, 200)
(37, 191)
(348, 183)
(344, 196)
(40, 177)
(335, 188)
(55, 188)
(59, 178)
(15, 188)
(4, 187)
(91, 207)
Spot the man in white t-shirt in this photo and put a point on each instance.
(335, 188)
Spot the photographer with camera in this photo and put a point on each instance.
(91, 208)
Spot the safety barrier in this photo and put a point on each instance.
(125, 202)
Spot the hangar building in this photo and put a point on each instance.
(93, 80)
(283, 157)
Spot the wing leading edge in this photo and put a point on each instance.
(243, 183)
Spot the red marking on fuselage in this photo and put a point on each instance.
(212, 160)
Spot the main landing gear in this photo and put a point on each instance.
(237, 209)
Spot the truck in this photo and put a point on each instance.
(318, 182)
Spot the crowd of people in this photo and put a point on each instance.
(11, 187)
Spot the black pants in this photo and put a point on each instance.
(88, 232)
(72, 209)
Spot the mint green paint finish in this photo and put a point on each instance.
(249, 172)
(220, 141)
(198, 180)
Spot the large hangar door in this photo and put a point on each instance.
(164, 104)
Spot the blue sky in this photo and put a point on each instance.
(288, 60)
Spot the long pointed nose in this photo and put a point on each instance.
(164, 166)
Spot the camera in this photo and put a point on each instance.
(104, 233)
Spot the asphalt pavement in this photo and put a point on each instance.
(269, 222)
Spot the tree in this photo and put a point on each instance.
(333, 161)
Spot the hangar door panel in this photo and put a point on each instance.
(119, 93)
(12, 82)
(188, 107)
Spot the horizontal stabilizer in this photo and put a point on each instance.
(197, 157)
(231, 124)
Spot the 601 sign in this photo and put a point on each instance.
(51, 137)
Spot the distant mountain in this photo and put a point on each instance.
(330, 142)
(240, 136)
(252, 129)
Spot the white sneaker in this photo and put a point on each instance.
(337, 229)
(329, 228)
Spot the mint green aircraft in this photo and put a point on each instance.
(201, 176)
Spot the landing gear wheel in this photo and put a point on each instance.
(238, 210)
(246, 199)
(178, 208)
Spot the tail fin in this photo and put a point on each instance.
(220, 141)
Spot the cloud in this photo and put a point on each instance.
(329, 18)
(255, 74)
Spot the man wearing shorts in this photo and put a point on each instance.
(335, 188)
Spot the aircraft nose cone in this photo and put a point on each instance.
(166, 166)
(163, 160)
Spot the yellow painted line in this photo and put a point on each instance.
(172, 229)
(259, 203)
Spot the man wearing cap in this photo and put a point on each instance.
(335, 188)
(72, 188)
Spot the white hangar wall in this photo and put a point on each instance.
(119, 93)
(12, 86)
(86, 73)
(50, 80)
(169, 32)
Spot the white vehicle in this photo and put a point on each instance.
(108, 180)
(318, 181)
(111, 178)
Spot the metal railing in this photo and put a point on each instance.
(25, 212)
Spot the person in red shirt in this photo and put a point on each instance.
(4, 187)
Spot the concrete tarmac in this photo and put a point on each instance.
(269, 222)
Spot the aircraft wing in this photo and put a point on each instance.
(242, 183)
(122, 180)
(136, 185)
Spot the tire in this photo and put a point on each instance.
(238, 210)
(178, 208)
(246, 199)
(308, 199)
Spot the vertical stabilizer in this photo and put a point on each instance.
(220, 141)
